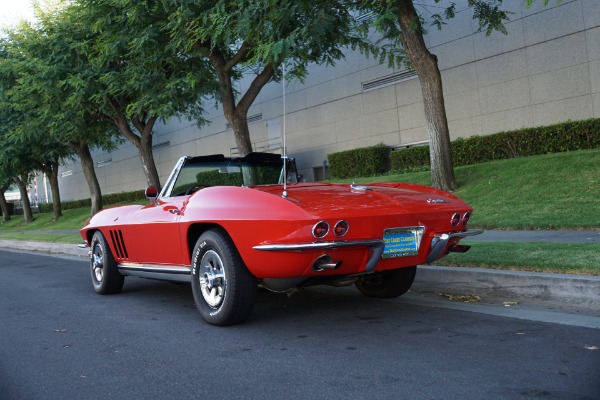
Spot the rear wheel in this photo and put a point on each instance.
(387, 284)
(106, 277)
(224, 290)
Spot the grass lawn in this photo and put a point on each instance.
(553, 191)
(564, 258)
(71, 219)
(41, 237)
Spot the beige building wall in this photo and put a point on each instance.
(545, 70)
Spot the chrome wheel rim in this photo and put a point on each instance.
(213, 282)
(97, 263)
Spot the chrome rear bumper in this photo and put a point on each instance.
(376, 247)
(439, 242)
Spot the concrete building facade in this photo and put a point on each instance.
(545, 70)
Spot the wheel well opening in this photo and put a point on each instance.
(90, 234)
(194, 233)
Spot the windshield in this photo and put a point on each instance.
(200, 172)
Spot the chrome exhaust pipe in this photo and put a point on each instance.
(324, 262)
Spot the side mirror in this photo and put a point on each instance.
(152, 194)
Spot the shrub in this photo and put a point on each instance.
(566, 136)
(123, 197)
(366, 161)
(107, 200)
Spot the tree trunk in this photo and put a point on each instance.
(50, 168)
(147, 157)
(87, 164)
(143, 141)
(3, 202)
(237, 114)
(144, 145)
(425, 64)
(52, 174)
(241, 132)
(21, 182)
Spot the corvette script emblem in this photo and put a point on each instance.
(437, 201)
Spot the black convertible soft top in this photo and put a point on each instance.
(252, 158)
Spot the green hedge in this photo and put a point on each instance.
(215, 178)
(107, 200)
(566, 136)
(366, 161)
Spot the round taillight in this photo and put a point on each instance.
(455, 219)
(320, 229)
(341, 228)
(465, 219)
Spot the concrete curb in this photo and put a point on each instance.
(44, 247)
(559, 289)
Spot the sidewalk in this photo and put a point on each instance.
(561, 236)
(69, 249)
(560, 289)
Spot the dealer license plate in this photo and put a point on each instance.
(402, 242)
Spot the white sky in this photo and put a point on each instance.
(12, 11)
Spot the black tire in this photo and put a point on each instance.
(387, 284)
(106, 277)
(224, 290)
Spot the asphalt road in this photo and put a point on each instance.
(59, 340)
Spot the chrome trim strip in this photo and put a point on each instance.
(161, 272)
(164, 269)
(316, 245)
(166, 190)
(376, 246)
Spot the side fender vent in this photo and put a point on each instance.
(119, 244)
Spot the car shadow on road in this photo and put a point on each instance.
(307, 306)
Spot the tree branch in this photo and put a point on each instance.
(238, 57)
(257, 84)
(120, 120)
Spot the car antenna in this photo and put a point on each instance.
(284, 156)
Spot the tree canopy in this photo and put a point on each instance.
(260, 36)
(132, 75)
(93, 68)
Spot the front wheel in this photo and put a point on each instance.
(106, 277)
(224, 290)
(387, 284)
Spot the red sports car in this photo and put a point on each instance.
(230, 225)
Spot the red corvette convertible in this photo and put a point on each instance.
(229, 225)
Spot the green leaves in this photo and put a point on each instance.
(490, 16)
(366, 161)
